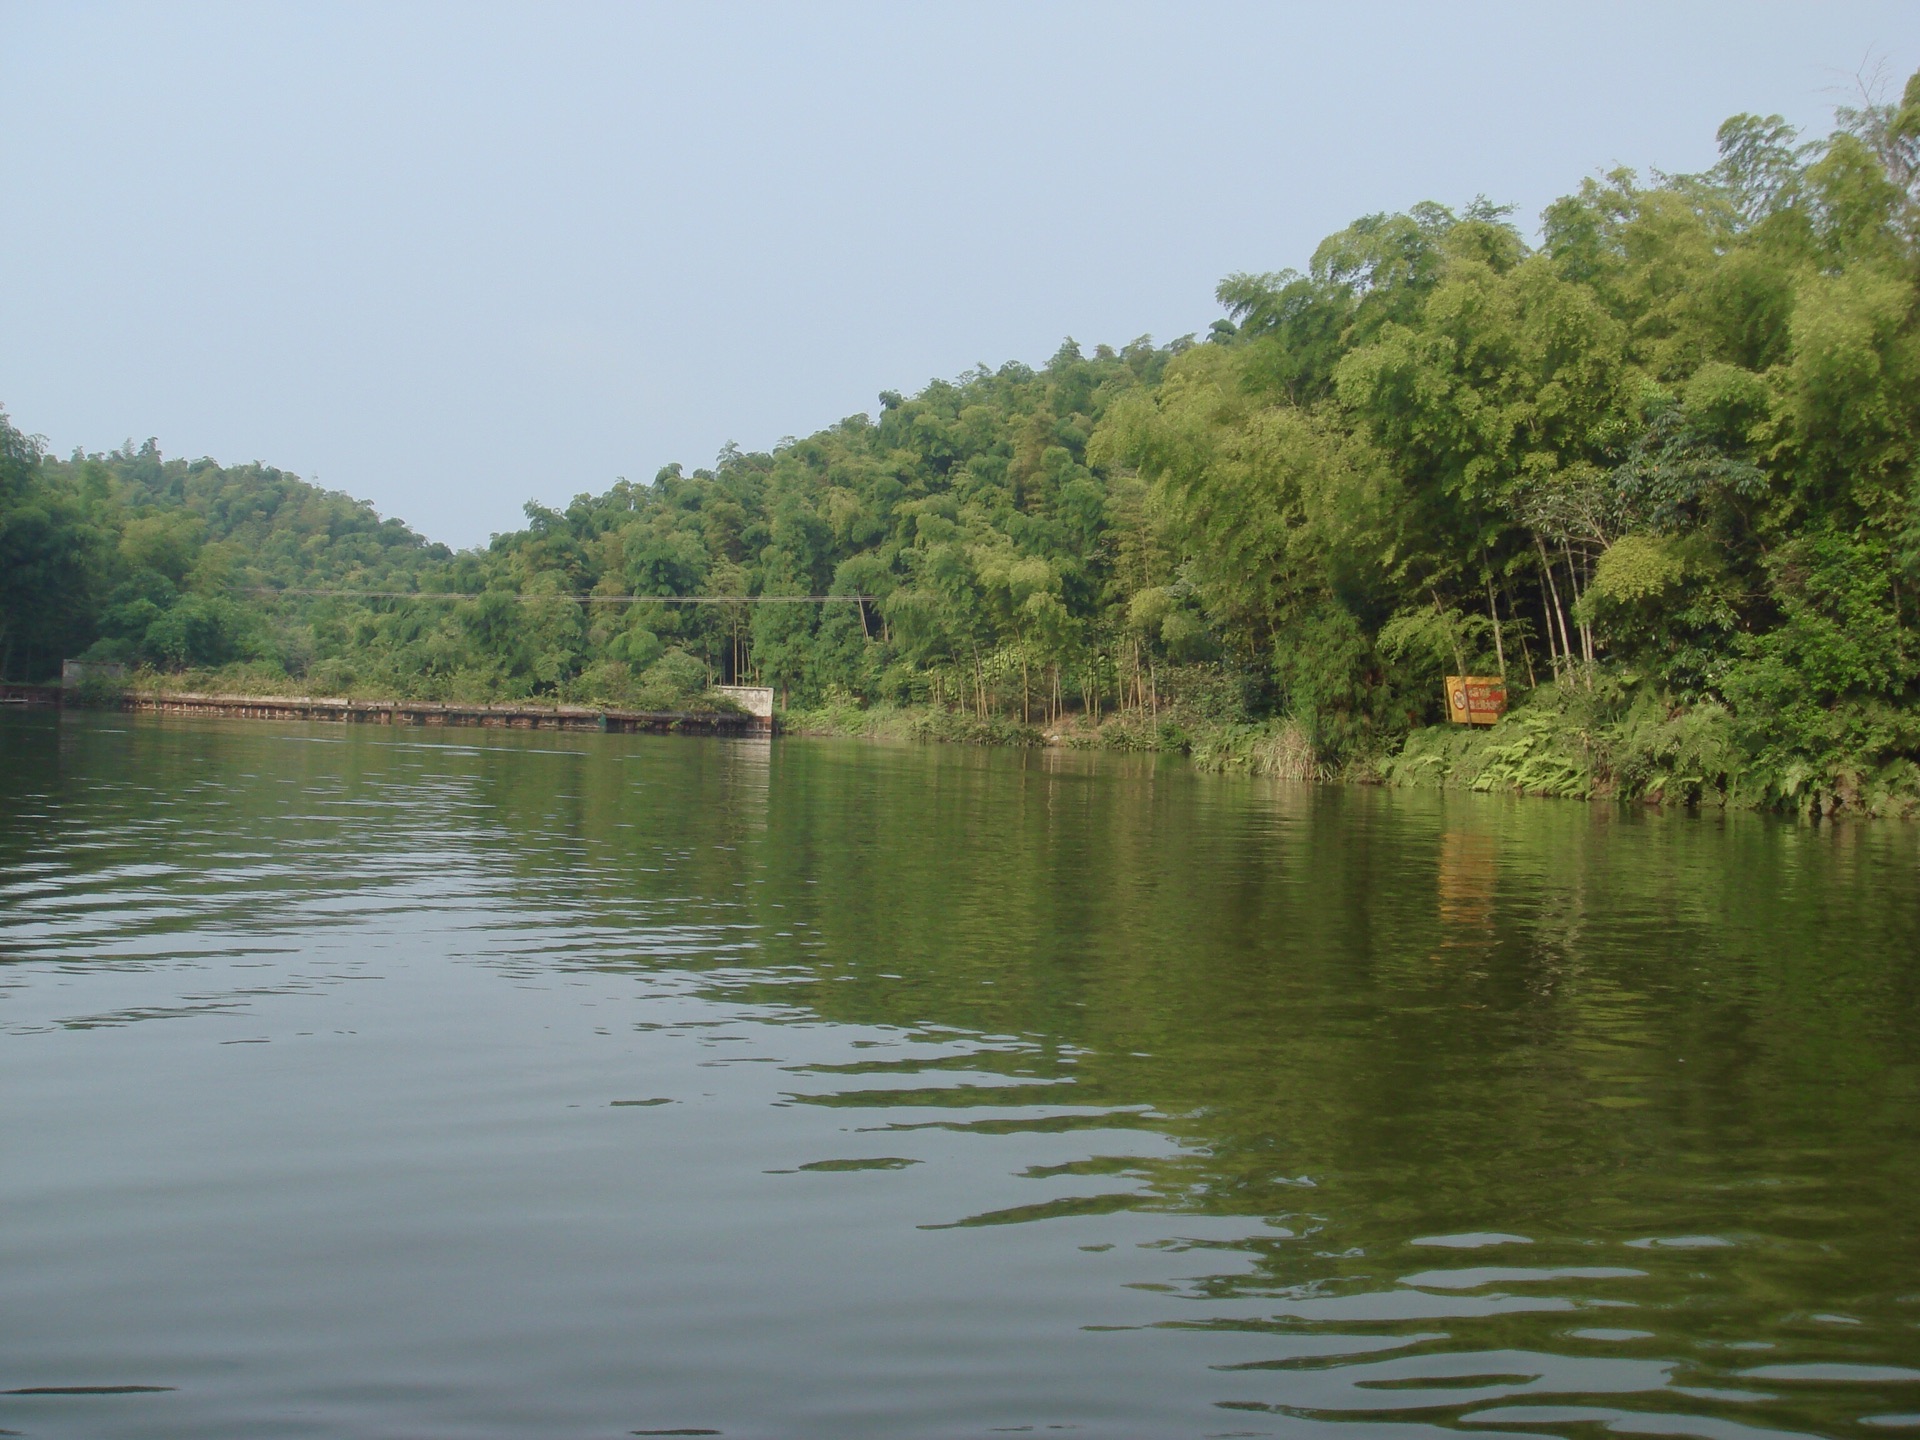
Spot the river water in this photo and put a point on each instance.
(358, 1082)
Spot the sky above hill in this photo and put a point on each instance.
(450, 258)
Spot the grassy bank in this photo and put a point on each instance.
(1611, 742)
(1278, 748)
(1600, 740)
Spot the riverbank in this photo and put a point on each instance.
(1281, 749)
(342, 710)
(1594, 742)
(1578, 743)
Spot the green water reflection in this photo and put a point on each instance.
(1033, 1089)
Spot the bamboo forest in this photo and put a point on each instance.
(1651, 459)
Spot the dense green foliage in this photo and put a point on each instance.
(125, 556)
(1658, 469)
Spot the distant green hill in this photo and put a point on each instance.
(128, 556)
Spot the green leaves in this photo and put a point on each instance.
(1637, 567)
(1670, 458)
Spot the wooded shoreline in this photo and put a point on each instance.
(1651, 462)
(1546, 753)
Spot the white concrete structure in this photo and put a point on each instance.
(754, 699)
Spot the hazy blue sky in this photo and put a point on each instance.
(449, 258)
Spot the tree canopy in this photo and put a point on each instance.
(1661, 455)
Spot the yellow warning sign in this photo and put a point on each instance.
(1476, 699)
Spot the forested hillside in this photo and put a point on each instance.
(1658, 468)
(126, 556)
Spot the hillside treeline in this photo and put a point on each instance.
(1657, 467)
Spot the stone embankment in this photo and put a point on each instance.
(420, 712)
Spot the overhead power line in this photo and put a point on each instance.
(582, 599)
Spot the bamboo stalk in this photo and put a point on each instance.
(1546, 565)
(1586, 631)
(1459, 660)
(1546, 627)
(1499, 647)
(1526, 651)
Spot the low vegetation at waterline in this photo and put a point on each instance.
(1658, 469)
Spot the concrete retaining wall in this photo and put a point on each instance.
(409, 712)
